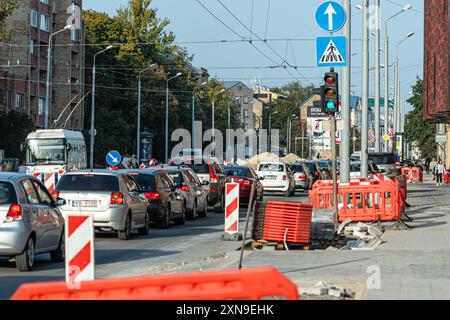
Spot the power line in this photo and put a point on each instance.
(267, 19)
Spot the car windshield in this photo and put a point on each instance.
(199, 168)
(177, 177)
(146, 182)
(236, 172)
(323, 165)
(311, 166)
(297, 168)
(7, 193)
(46, 151)
(382, 159)
(88, 183)
(271, 167)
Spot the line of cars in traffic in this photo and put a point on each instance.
(123, 201)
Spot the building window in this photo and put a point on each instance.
(44, 1)
(41, 106)
(74, 34)
(33, 44)
(246, 99)
(54, 6)
(20, 100)
(245, 113)
(44, 22)
(34, 18)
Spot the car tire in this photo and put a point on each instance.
(25, 261)
(204, 214)
(59, 254)
(165, 222)
(192, 213)
(125, 233)
(181, 221)
(293, 193)
(145, 230)
(220, 207)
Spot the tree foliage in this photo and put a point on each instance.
(6, 8)
(145, 40)
(418, 131)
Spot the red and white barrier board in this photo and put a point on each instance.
(231, 208)
(79, 249)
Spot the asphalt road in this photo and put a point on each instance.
(161, 251)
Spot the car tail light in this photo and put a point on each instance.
(284, 178)
(55, 195)
(14, 213)
(212, 177)
(247, 182)
(152, 195)
(302, 176)
(116, 198)
(184, 188)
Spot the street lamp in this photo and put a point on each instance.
(138, 121)
(396, 84)
(167, 116)
(193, 111)
(386, 63)
(290, 131)
(49, 70)
(270, 130)
(288, 142)
(213, 108)
(92, 133)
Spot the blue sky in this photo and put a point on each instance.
(288, 19)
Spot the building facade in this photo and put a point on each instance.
(262, 98)
(23, 63)
(239, 90)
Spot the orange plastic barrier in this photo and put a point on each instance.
(245, 284)
(413, 174)
(287, 221)
(366, 201)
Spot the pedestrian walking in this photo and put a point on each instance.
(440, 171)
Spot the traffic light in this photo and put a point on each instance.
(330, 93)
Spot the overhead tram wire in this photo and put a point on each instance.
(259, 38)
(267, 19)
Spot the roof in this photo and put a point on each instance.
(11, 176)
(98, 171)
(231, 84)
(55, 134)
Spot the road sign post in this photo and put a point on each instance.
(232, 213)
(331, 51)
(113, 158)
(331, 16)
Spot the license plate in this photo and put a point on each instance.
(85, 203)
(270, 177)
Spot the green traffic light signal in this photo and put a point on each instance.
(331, 105)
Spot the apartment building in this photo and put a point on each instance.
(23, 63)
(263, 98)
(239, 90)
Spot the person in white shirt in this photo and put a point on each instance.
(440, 171)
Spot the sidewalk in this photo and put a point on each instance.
(413, 264)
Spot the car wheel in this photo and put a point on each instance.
(204, 214)
(192, 213)
(181, 221)
(293, 192)
(59, 254)
(125, 233)
(25, 261)
(165, 222)
(144, 231)
(219, 207)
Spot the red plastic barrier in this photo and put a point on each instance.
(447, 178)
(287, 221)
(245, 284)
(413, 174)
(367, 201)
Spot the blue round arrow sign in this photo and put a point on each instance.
(113, 158)
(331, 16)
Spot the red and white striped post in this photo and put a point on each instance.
(232, 213)
(80, 264)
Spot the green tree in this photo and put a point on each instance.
(416, 129)
(14, 128)
(6, 8)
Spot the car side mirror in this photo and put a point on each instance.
(205, 183)
(60, 202)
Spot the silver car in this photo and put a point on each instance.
(114, 199)
(30, 221)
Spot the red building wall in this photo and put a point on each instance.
(437, 61)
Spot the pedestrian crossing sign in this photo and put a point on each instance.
(331, 51)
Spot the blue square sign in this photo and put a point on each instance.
(331, 51)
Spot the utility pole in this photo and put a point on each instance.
(166, 156)
(365, 92)
(377, 77)
(346, 80)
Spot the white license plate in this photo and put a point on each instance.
(85, 203)
(270, 177)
